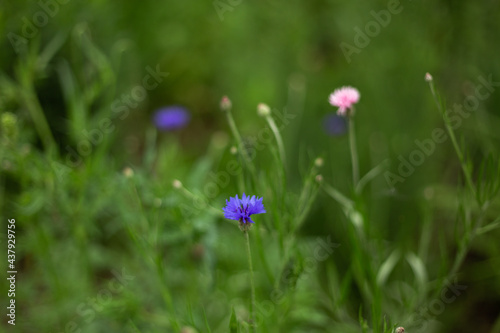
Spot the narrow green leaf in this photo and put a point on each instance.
(233, 322)
(337, 196)
(207, 326)
(489, 227)
(190, 313)
(50, 50)
(345, 288)
(362, 321)
(370, 175)
(387, 267)
(418, 268)
(134, 326)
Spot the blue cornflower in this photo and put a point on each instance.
(242, 209)
(171, 118)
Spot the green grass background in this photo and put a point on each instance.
(77, 226)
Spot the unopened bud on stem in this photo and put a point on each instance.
(263, 110)
(319, 162)
(225, 104)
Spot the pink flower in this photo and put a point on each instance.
(344, 98)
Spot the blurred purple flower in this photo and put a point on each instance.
(335, 125)
(171, 118)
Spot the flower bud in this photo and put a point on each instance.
(225, 104)
(428, 78)
(177, 184)
(318, 162)
(128, 172)
(400, 330)
(263, 110)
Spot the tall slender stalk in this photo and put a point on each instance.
(466, 243)
(459, 153)
(239, 141)
(26, 78)
(153, 257)
(252, 286)
(38, 117)
(354, 153)
(279, 139)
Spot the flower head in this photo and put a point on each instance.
(241, 209)
(171, 118)
(344, 98)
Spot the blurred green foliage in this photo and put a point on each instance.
(101, 249)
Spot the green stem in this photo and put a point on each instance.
(354, 154)
(370, 175)
(197, 198)
(279, 139)
(252, 300)
(26, 78)
(38, 117)
(239, 141)
(156, 258)
(165, 292)
(262, 255)
(460, 155)
(339, 197)
(466, 244)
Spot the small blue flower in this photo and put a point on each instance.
(171, 118)
(242, 209)
(335, 125)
